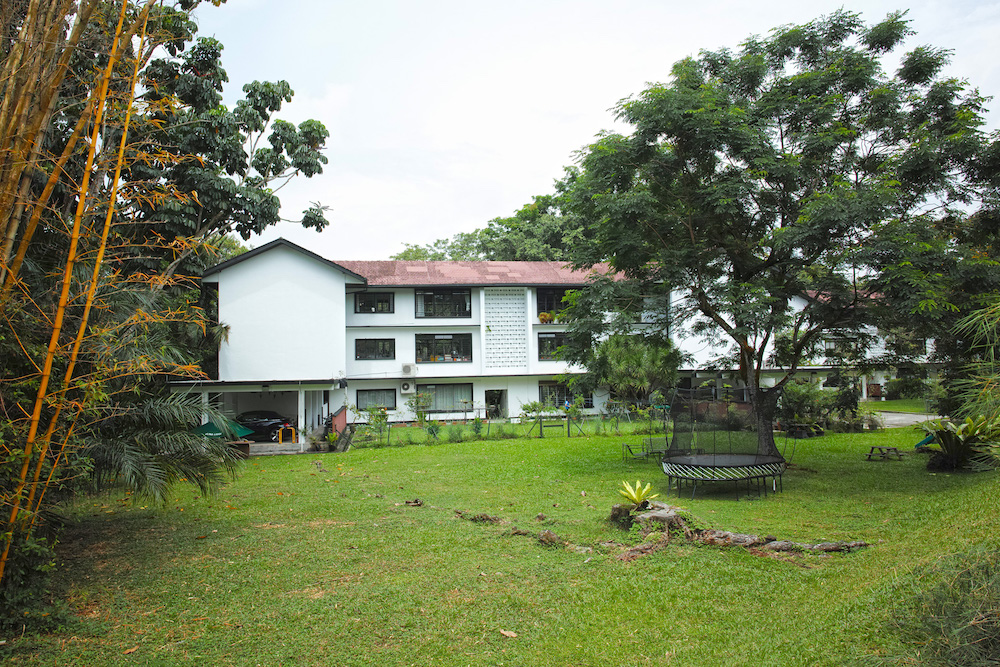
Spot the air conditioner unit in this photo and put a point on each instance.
(408, 387)
(409, 370)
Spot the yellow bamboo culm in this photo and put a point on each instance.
(41, 394)
(88, 304)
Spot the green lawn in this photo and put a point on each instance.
(318, 560)
(915, 405)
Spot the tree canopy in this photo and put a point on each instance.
(539, 231)
(791, 168)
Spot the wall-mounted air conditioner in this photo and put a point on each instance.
(409, 370)
(408, 387)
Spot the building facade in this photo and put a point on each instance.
(308, 336)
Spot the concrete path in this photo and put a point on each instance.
(900, 419)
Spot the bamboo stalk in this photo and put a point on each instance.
(94, 280)
(40, 396)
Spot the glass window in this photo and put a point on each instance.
(373, 302)
(444, 347)
(444, 303)
(557, 394)
(375, 348)
(447, 397)
(370, 398)
(548, 344)
(550, 300)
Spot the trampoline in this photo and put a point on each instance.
(709, 445)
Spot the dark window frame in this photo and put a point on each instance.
(549, 299)
(558, 337)
(362, 405)
(442, 346)
(439, 303)
(376, 344)
(389, 298)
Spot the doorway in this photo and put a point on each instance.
(496, 403)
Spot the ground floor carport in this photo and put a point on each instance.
(306, 403)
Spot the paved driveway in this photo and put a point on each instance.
(899, 419)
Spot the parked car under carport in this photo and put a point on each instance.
(265, 424)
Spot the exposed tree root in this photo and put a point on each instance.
(672, 521)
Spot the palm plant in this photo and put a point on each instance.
(971, 444)
(148, 445)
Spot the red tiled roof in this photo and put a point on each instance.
(396, 273)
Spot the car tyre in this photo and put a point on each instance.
(273, 435)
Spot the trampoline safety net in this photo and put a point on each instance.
(711, 442)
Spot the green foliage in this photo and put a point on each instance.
(376, 421)
(456, 433)
(951, 612)
(910, 387)
(433, 429)
(418, 404)
(972, 444)
(539, 231)
(477, 426)
(25, 599)
(791, 167)
(804, 402)
(977, 391)
(532, 410)
(638, 495)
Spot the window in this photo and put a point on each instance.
(554, 393)
(548, 343)
(444, 303)
(444, 347)
(550, 300)
(370, 398)
(375, 348)
(373, 302)
(447, 397)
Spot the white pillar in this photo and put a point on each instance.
(302, 418)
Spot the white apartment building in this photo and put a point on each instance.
(308, 336)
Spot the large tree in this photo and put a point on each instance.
(767, 174)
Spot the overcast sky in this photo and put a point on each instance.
(445, 114)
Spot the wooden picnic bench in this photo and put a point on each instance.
(884, 453)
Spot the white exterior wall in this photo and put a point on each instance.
(402, 326)
(285, 313)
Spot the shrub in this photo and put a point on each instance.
(456, 433)
(970, 444)
(906, 388)
(804, 402)
(25, 600)
(433, 429)
(477, 426)
(952, 611)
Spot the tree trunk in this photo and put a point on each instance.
(765, 404)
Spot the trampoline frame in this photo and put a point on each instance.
(734, 468)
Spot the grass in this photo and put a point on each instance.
(913, 405)
(319, 560)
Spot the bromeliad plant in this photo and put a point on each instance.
(972, 444)
(638, 495)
